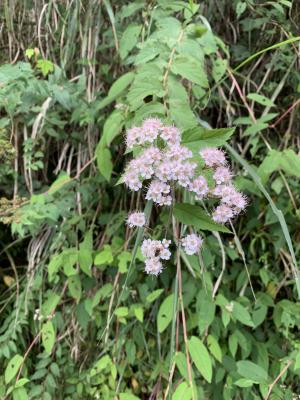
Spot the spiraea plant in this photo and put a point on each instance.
(168, 171)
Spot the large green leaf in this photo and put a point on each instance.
(12, 368)
(198, 138)
(165, 313)
(200, 357)
(193, 215)
(254, 372)
(129, 39)
(190, 68)
(48, 336)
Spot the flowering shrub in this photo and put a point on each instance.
(159, 157)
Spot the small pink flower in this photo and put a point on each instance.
(153, 266)
(177, 152)
(136, 219)
(170, 134)
(192, 244)
(131, 179)
(200, 187)
(222, 214)
(222, 175)
(159, 192)
(213, 157)
(133, 137)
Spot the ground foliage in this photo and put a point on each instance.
(78, 320)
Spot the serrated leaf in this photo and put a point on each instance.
(13, 368)
(193, 215)
(165, 313)
(48, 336)
(129, 39)
(190, 68)
(201, 358)
(105, 256)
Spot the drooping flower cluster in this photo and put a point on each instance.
(165, 164)
(154, 251)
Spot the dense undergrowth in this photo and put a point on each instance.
(80, 319)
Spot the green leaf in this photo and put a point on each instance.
(241, 314)
(297, 361)
(190, 68)
(144, 85)
(139, 313)
(85, 256)
(112, 127)
(219, 69)
(104, 162)
(45, 66)
(121, 312)
(179, 104)
(128, 396)
(214, 347)
(193, 215)
(165, 313)
(206, 310)
(129, 39)
(251, 371)
(201, 358)
(48, 336)
(180, 360)
(183, 392)
(29, 53)
(124, 259)
(50, 304)
(54, 265)
(199, 138)
(20, 394)
(21, 382)
(258, 98)
(61, 181)
(154, 295)
(119, 86)
(13, 368)
(101, 364)
(75, 288)
(104, 257)
(243, 382)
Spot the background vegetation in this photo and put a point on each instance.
(76, 321)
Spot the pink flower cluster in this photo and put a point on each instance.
(232, 202)
(136, 219)
(154, 251)
(191, 244)
(166, 164)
